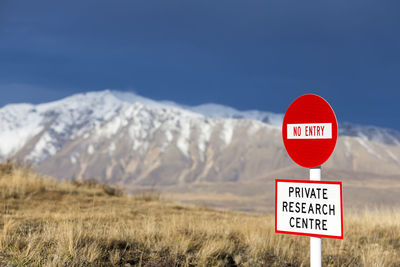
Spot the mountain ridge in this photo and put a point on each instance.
(214, 110)
(123, 138)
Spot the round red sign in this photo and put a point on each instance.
(309, 131)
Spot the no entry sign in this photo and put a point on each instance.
(311, 208)
(309, 131)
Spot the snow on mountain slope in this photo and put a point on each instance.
(71, 117)
(209, 110)
(125, 138)
(220, 111)
(56, 122)
(18, 124)
(371, 133)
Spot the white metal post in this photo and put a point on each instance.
(315, 242)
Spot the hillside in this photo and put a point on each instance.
(208, 154)
(48, 223)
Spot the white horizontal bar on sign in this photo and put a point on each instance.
(309, 131)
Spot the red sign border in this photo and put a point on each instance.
(312, 182)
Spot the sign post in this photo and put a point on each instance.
(312, 208)
(315, 242)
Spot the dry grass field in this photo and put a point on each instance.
(46, 223)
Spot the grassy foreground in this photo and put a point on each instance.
(45, 223)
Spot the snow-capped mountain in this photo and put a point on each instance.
(124, 138)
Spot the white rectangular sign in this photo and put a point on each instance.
(309, 131)
(311, 208)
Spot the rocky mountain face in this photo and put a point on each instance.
(129, 140)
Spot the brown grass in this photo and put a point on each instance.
(45, 223)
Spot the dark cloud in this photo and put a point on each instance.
(249, 54)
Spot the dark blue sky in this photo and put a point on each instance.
(247, 54)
